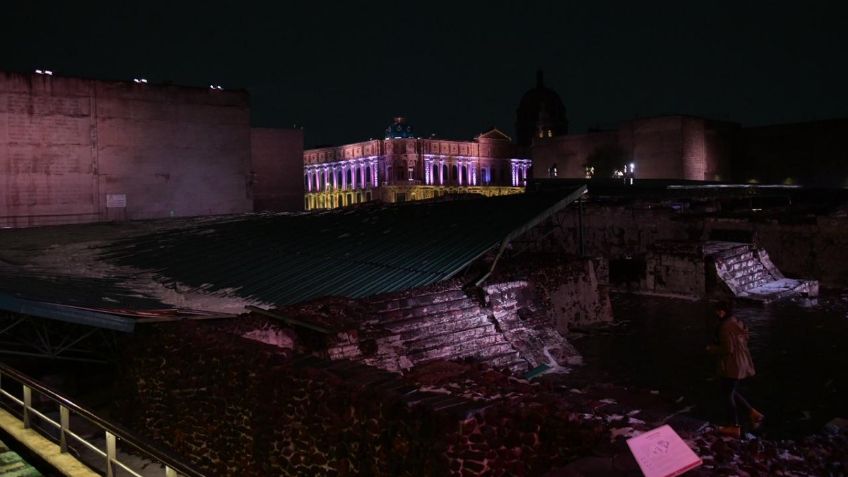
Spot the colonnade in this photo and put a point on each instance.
(347, 175)
(520, 167)
(436, 171)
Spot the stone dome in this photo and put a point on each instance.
(399, 129)
(540, 111)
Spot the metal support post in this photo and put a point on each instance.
(64, 427)
(27, 406)
(110, 454)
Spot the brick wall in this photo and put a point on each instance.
(809, 248)
(67, 145)
(238, 407)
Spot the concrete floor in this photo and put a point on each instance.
(47, 450)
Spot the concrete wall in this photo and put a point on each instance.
(664, 147)
(569, 153)
(816, 249)
(69, 146)
(277, 161)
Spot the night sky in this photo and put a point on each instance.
(343, 69)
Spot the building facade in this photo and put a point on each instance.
(401, 168)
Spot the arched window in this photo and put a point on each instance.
(349, 177)
(445, 177)
(454, 174)
(367, 183)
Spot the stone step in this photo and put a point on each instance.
(406, 324)
(776, 289)
(477, 330)
(505, 303)
(737, 250)
(742, 265)
(731, 258)
(430, 329)
(750, 280)
(757, 283)
(481, 349)
(417, 300)
(424, 310)
(507, 360)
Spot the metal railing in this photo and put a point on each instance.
(174, 466)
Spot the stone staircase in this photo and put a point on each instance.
(527, 328)
(449, 325)
(749, 273)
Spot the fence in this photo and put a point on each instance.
(173, 466)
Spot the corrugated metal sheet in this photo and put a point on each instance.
(355, 252)
(78, 291)
(66, 313)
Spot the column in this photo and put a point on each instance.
(474, 174)
(374, 174)
(363, 181)
(308, 180)
(514, 174)
(353, 172)
(441, 172)
(327, 177)
(345, 170)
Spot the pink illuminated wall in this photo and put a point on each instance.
(77, 150)
(664, 147)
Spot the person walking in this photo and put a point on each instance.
(734, 365)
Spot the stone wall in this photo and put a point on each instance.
(662, 147)
(809, 247)
(675, 269)
(75, 150)
(238, 407)
(567, 291)
(569, 153)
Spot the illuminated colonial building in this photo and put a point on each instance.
(402, 167)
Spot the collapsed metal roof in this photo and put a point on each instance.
(113, 276)
(355, 252)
